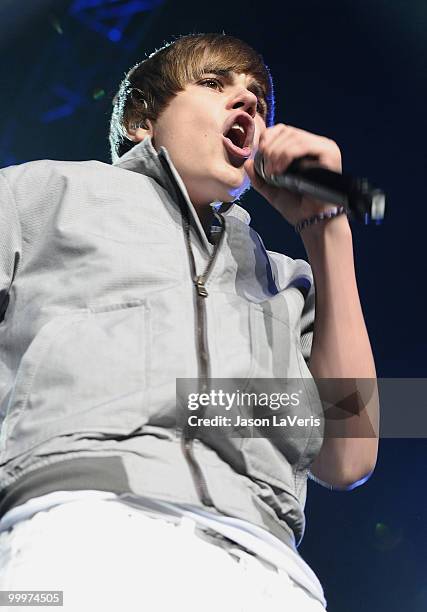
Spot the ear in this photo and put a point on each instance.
(138, 133)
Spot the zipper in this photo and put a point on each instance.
(199, 283)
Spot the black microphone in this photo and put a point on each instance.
(356, 194)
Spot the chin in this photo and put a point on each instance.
(222, 187)
(238, 182)
(240, 189)
(233, 193)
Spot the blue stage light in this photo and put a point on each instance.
(114, 34)
(110, 17)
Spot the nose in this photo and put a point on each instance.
(246, 100)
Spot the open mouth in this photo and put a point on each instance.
(238, 138)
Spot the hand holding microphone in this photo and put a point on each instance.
(308, 167)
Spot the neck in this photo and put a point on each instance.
(206, 216)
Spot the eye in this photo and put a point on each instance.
(212, 83)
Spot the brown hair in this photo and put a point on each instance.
(149, 86)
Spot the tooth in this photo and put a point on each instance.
(237, 126)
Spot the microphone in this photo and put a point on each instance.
(356, 194)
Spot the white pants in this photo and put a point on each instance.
(108, 556)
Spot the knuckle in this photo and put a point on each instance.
(332, 151)
(332, 145)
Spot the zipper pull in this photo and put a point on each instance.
(200, 286)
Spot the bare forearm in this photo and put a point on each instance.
(341, 350)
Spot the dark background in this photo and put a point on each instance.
(352, 70)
